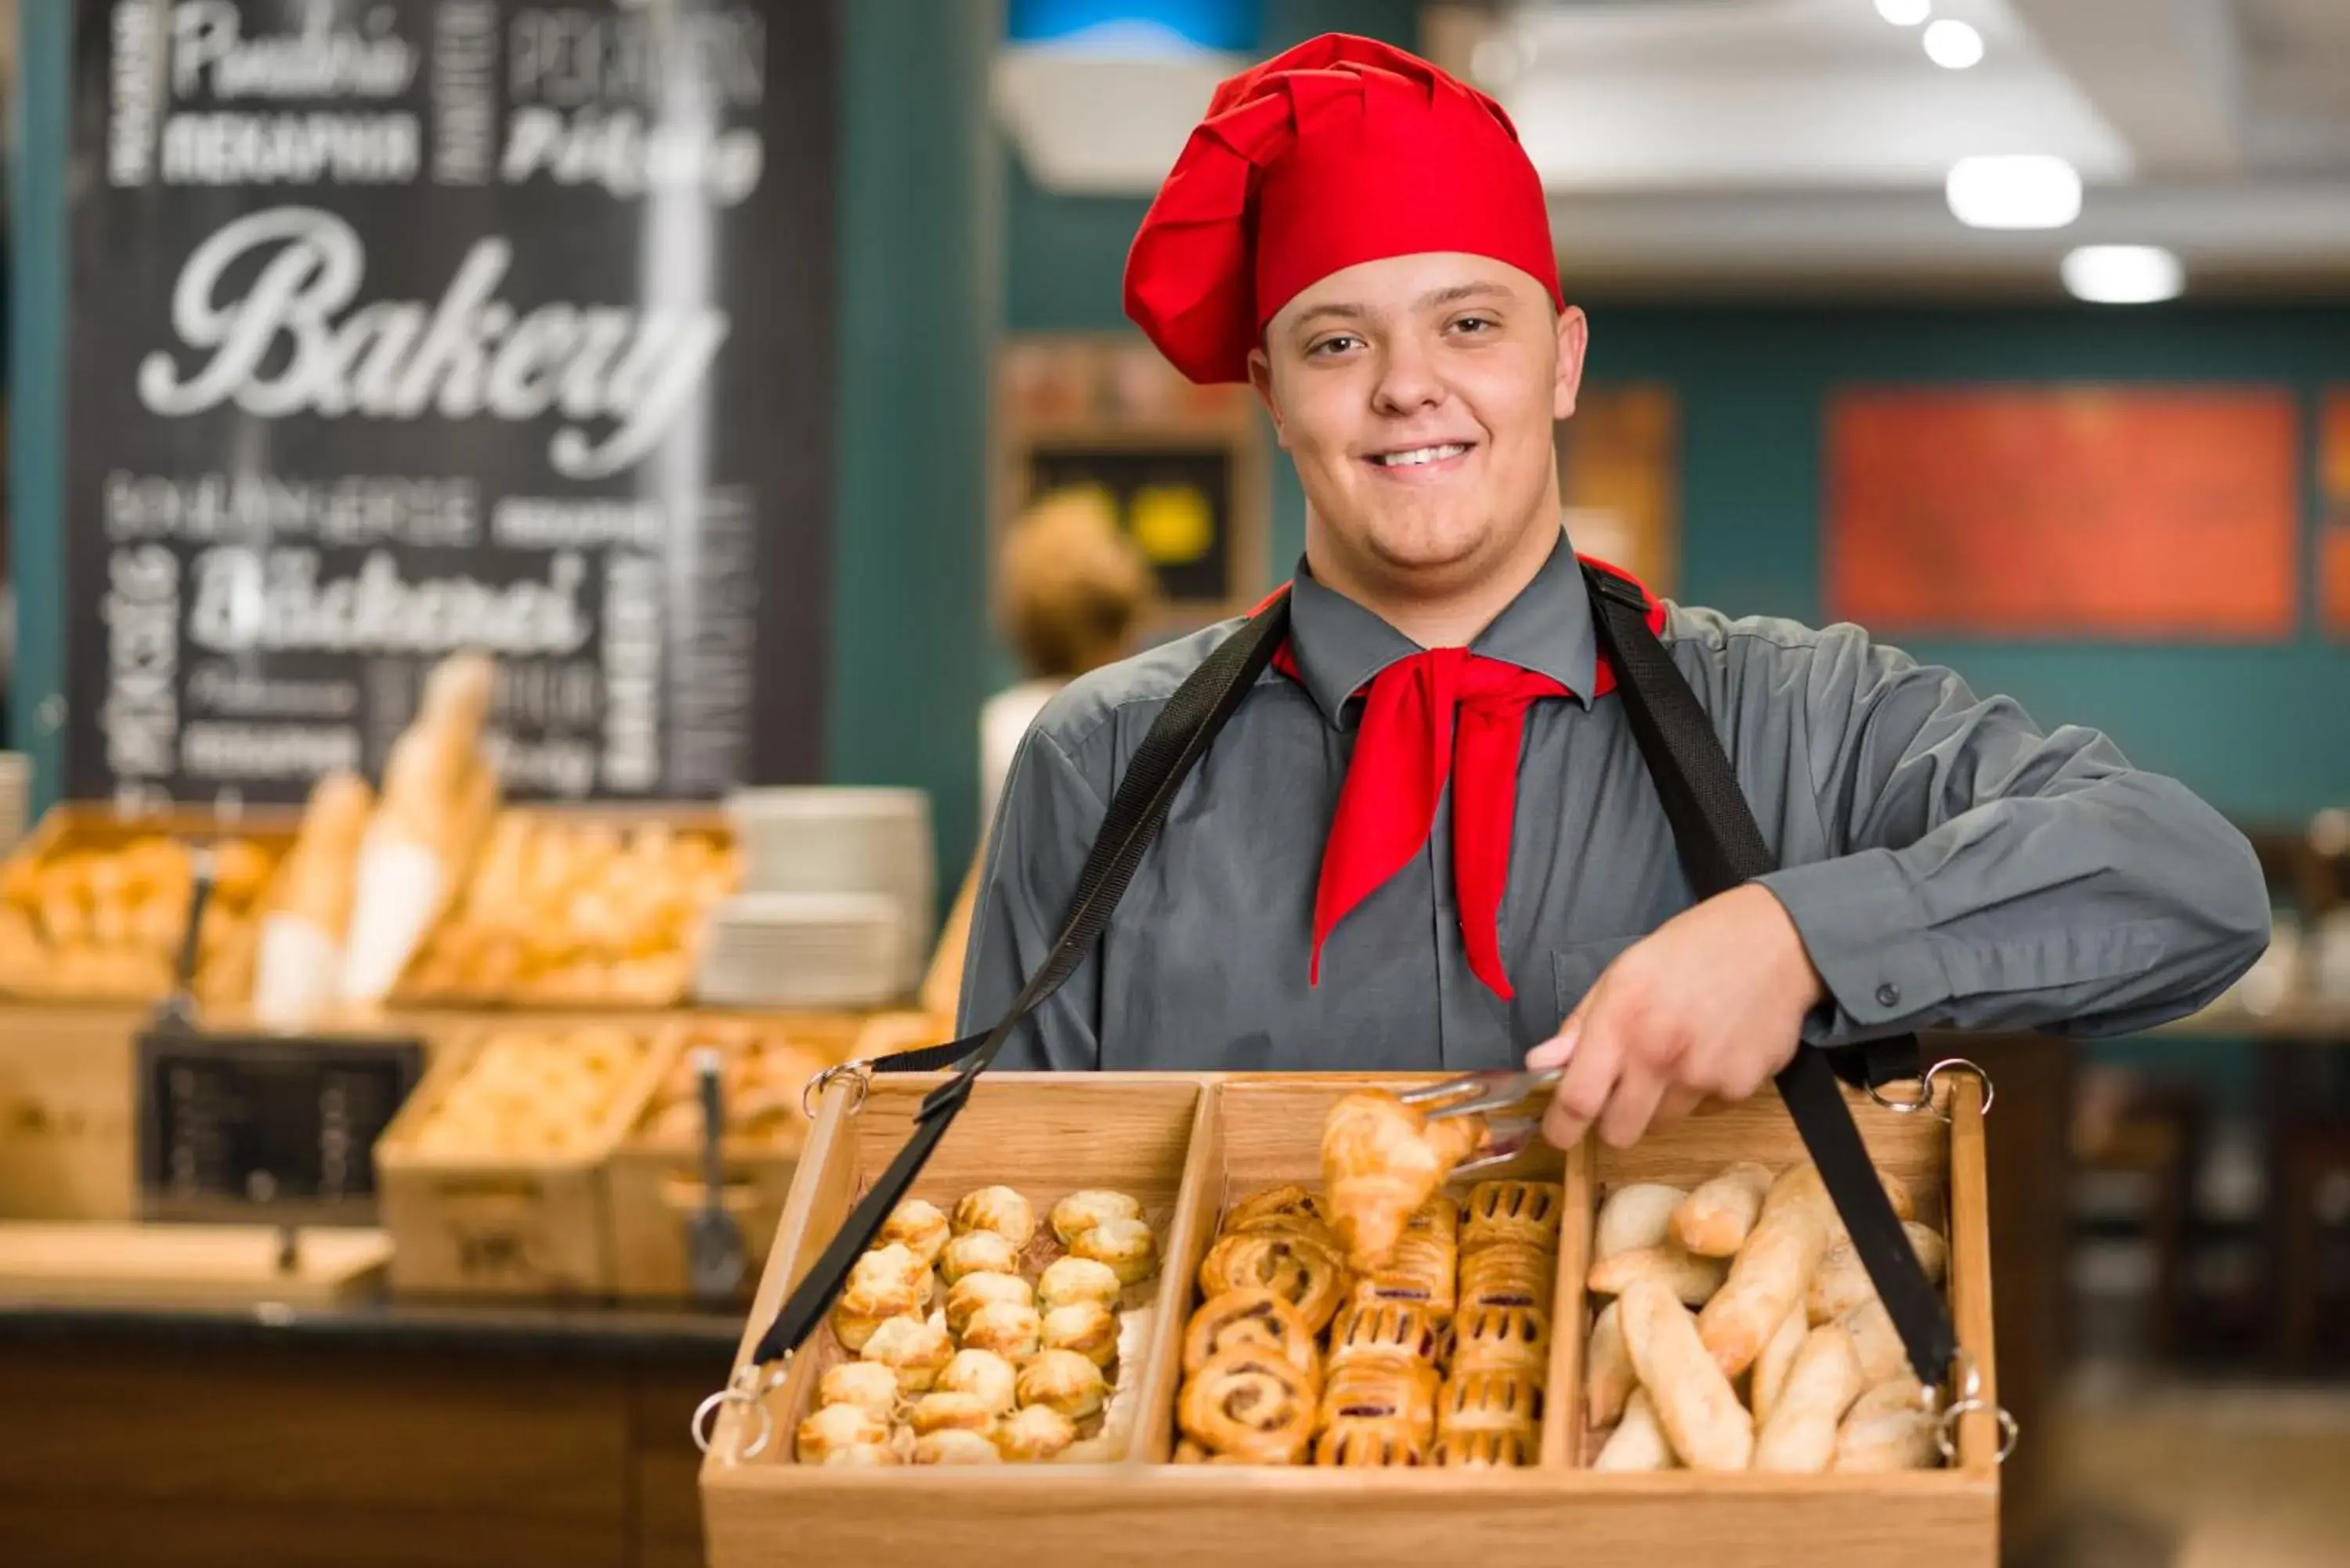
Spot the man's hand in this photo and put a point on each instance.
(1712, 1004)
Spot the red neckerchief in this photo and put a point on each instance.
(1426, 717)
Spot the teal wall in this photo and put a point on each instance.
(2261, 732)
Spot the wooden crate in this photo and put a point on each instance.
(1249, 1131)
(502, 1226)
(657, 1184)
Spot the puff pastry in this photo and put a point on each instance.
(1080, 1211)
(983, 1374)
(917, 1227)
(1008, 1328)
(1032, 1433)
(1481, 1451)
(1383, 1331)
(1088, 1328)
(867, 1385)
(1380, 1390)
(1303, 1274)
(1249, 1402)
(1290, 1199)
(1507, 1273)
(1066, 1381)
(915, 1349)
(838, 1427)
(1491, 1401)
(1070, 1280)
(998, 1211)
(937, 1411)
(1369, 1444)
(863, 1455)
(887, 1282)
(955, 1446)
(1381, 1160)
(978, 1252)
(1253, 1316)
(1525, 1213)
(1501, 1339)
(1126, 1247)
(972, 1291)
(1298, 1224)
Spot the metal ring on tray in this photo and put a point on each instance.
(746, 1387)
(1968, 1383)
(1925, 1099)
(858, 1073)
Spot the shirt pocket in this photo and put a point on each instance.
(1576, 969)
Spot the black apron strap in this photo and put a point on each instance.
(1721, 847)
(1177, 738)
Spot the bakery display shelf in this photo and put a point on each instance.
(1047, 1133)
(490, 1223)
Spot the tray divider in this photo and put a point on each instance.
(1199, 1204)
(1969, 1201)
(1562, 1431)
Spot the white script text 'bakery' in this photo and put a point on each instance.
(470, 354)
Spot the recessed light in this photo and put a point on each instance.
(2020, 190)
(2123, 275)
(1953, 45)
(1905, 13)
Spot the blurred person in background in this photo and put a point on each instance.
(1363, 239)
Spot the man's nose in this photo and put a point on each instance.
(1407, 380)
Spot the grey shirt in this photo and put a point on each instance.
(1946, 861)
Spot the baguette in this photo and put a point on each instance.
(1799, 1436)
(1888, 1428)
(1713, 1221)
(1693, 1280)
(1801, 1184)
(1637, 1443)
(1842, 1281)
(1768, 1280)
(1609, 1379)
(1702, 1419)
(1634, 1216)
(1882, 1354)
(1771, 1366)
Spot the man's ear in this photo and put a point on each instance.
(1574, 336)
(1260, 370)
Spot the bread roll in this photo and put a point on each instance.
(1842, 1281)
(1640, 1215)
(1888, 1428)
(1778, 1356)
(1767, 1280)
(1637, 1443)
(1694, 1280)
(1713, 1220)
(1702, 1419)
(1799, 1436)
(1608, 1375)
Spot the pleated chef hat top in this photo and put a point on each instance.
(1338, 151)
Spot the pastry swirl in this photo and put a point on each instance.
(1289, 1200)
(1250, 1402)
(1524, 1213)
(1253, 1316)
(1301, 1272)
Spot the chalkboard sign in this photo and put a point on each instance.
(267, 1128)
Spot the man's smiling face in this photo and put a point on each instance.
(1417, 396)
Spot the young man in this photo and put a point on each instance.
(1362, 238)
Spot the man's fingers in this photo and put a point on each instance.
(1679, 1102)
(1558, 1049)
(1584, 1092)
(1630, 1108)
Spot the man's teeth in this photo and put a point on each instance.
(1419, 455)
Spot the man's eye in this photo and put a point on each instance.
(1474, 325)
(1338, 343)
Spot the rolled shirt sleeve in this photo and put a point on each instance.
(1044, 825)
(1985, 874)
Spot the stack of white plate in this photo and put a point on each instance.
(803, 949)
(840, 840)
(16, 797)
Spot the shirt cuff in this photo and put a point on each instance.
(1864, 927)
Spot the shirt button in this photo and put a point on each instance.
(1888, 995)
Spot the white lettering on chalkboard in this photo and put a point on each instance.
(561, 767)
(225, 148)
(574, 55)
(211, 54)
(467, 355)
(134, 94)
(141, 715)
(231, 751)
(278, 601)
(633, 624)
(617, 151)
(218, 686)
(353, 510)
(464, 91)
(556, 522)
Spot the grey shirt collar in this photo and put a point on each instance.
(1339, 645)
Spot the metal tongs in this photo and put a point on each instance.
(1476, 1094)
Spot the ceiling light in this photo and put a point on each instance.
(2123, 275)
(2022, 191)
(1905, 13)
(1953, 45)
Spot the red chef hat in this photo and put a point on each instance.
(1340, 150)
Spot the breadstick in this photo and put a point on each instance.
(1799, 1436)
(1702, 1419)
(1608, 1375)
(1693, 1280)
(1842, 1281)
(1802, 1184)
(1635, 1216)
(1768, 1279)
(1882, 1354)
(1888, 1428)
(1713, 1220)
(1637, 1443)
(1778, 1356)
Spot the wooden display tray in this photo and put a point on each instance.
(185, 1265)
(1048, 1133)
(502, 1226)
